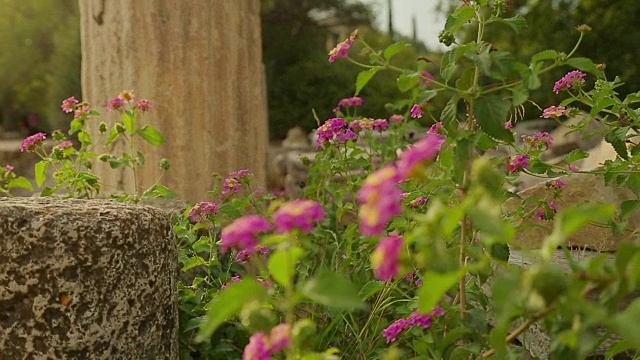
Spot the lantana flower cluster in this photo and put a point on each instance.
(393, 331)
(539, 140)
(203, 210)
(342, 49)
(232, 183)
(263, 347)
(126, 97)
(573, 79)
(369, 124)
(335, 129)
(32, 142)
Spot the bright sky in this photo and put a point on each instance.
(429, 22)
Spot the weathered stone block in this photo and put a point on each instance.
(86, 279)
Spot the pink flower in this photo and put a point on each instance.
(334, 129)
(246, 254)
(395, 329)
(554, 112)
(572, 167)
(352, 101)
(545, 212)
(29, 144)
(416, 111)
(234, 278)
(230, 185)
(342, 49)
(538, 140)
(571, 79)
(386, 256)
(264, 283)
(508, 125)
(9, 168)
(418, 282)
(427, 149)
(403, 196)
(300, 213)
(556, 184)
(257, 348)
(280, 337)
(436, 128)
(240, 174)
(417, 202)
(69, 104)
(379, 199)
(127, 96)
(380, 125)
(396, 118)
(144, 105)
(519, 162)
(242, 233)
(81, 111)
(426, 76)
(422, 320)
(202, 210)
(116, 103)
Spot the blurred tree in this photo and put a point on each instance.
(297, 36)
(39, 59)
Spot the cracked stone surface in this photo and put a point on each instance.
(86, 279)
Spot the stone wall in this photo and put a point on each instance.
(86, 279)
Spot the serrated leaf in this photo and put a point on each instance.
(393, 49)
(458, 18)
(575, 155)
(544, 55)
(628, 207)
(228, 303)
(41, 172)
(364, 77)
(151, 135)
(617, 138)
(435, 286)
(450, 110)
(333, 290)
(407, 82)
(517, 23)
(632, 98)
(520, 94)
(425, 96)
(492, 113)
(282, 264)
(585, 64)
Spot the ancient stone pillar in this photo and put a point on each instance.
(86, 279)
(200, 63)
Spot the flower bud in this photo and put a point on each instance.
(102, 127)
(165, 164)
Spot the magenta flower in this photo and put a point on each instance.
(418, 282)
(342, 49)
(545, 212)
(403, 196)
(395, 329)
(554, 112)
(519, 162)
(240, 174)
(301, 214)
(570, 80)
(436, 128)
(246, 254)
(29, 144)
(572, 167)
(69, 104)
(280, 338)
(230, 185)
(417, 202)
(242, 233)
(334, 129)
(64, 145)
(538, 140)
(425, 150)
(396, 118)
(422, 320)
(386, 256)
(425, 79)
(144, 105)
(234, 278)
(116, 103)
(416, 111)
(508, 125)
(379, 199)
(202, 210)
(380, 125)
(257, 348)
(9, 168)
(352, 101)
(556, 184)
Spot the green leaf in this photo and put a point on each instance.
(193, 262)
(435, 286)
(47, 191)
(628, 207)
(520, 94)
(333, 290)
(407, 82)
(228, 303)
(151, 135)
(113, 134)
(41, 172)
(449, 66)
(450, 110)
(492, 113)
(425, 96)
(573, 219)
(601, 104)
(544, 55)
(371, 288)
(129, 120)
(585, 64)
(632, 98)
(393, 49)
(626, 324)
(20, 182)
(159, 191)
(282, 264)
(84, 138)
(575, 155)
(364, 77)
(517, 23)
(618, 139)
(458, 18)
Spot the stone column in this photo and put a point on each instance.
(86, 279)
(200, 63)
